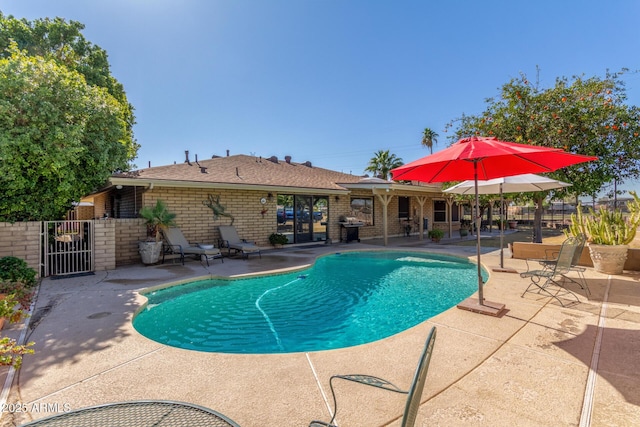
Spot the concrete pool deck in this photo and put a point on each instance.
(540, 364)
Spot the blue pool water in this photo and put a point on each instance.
(342, 300)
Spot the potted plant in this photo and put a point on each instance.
(513, 223)
(608, 234)
(436, 234)
(278, 239)
(156, 218)
(464, 228)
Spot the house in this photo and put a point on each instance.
(261, 196)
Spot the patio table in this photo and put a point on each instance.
(139, 414)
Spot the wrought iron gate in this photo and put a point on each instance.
(68, 247)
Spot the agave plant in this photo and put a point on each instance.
(605, 227)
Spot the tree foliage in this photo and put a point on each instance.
(60, 138)
(63, 42)
(65, 122)
(581, 115)
(429, 139)
(382, 162)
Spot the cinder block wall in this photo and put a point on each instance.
(196, 219)
(128, 232)
(21, 240)
(104, 245)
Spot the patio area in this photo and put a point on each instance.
(540, 364)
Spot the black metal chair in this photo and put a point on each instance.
(414, 394)
(553, 273)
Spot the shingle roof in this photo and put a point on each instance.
(247, 170)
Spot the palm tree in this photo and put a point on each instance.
(382, 162)
(429, 138)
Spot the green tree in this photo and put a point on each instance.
(60, 138)
(429, 139)
(63, 42)
(382, 162)
(580, 115)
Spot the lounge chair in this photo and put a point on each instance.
(553, 273)
(229, 239)
(552, 259)
(414, 394)
(179, 245)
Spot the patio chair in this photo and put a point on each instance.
(229, 239)
(179, 245)
(551, 260)
(414, 394)
(553, 273)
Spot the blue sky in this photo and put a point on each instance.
(333, 81)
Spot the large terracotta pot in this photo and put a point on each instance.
(608, 259)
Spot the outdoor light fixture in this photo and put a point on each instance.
(119, 187)
(270, 197)
(337, 198)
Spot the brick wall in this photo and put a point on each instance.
(394, 226)
(196, 220)
(21, 240)
(104, 253)
(128, 232)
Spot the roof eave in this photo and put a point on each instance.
(138, 182)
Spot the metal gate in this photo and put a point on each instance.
(68, 247)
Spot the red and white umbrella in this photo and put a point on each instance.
(484, 158)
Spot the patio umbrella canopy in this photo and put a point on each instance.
(524, 183)
(483, 158)
(511, 184)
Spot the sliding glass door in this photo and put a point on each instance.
(302, 218)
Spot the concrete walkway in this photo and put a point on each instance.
(540, 364)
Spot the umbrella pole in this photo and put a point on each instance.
(480, 306)
(480, 283)
(503, 221)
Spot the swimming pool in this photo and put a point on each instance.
(344, 299)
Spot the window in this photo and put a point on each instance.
(403, 207)
(362, 209)
(439, 211)
(455, 212)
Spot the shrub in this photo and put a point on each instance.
(436, 234)
(278, 239)
(11, 353)
(20, 292)
(14, 269)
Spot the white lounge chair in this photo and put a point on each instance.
(229, 239)
(179, 245)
